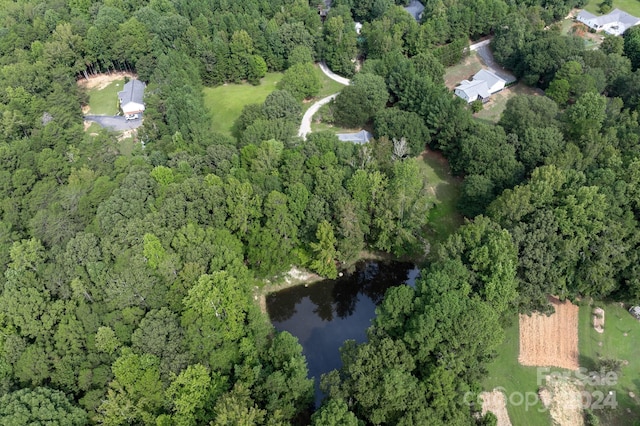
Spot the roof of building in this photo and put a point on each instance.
(489, 77)
(586, 15)
(615, 16)
(133, 91)
(361, 137)
(474, 88)
(415, 8)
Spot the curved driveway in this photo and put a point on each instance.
(333, 76)
(305, 126)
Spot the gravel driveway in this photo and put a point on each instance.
(117, 123)
(487, 57)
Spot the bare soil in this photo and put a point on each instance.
(100, 81)
(563, 397)
(496, 402)
(598, 320)
(550, 341)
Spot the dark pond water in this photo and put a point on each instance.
(325, 314)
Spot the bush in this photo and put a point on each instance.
(477, 106)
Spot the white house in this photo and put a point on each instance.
(615, 22)
(131, 97)
(482, 85)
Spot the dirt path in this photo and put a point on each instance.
(496, 402)
(100, 81)
(550, 341)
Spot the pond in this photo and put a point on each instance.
(325, 314)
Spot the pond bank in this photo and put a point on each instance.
(298, 276)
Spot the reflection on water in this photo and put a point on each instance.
(325, 314)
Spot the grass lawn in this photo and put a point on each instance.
(629, 6)
(505, 372)
(613, 343)
(492, 110)
(225, 102)
(463, 71)
(105, 101)
(444, 190)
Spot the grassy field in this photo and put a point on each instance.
(464, 70)
(492, 110)
(225, 102)
(445, 191)
(629, 6)
(620, 340)
(105, 101)
(505, 372)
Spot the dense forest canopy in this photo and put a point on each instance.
(127, 282)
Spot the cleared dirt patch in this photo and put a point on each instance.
(496, 402)
(550, 341)
(563, 397)
(100, 81)
(598, 320)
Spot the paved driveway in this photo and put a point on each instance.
(117, 122)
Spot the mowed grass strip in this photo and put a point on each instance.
(630, 6)
(620, 340)
(444, 192)
(225, 102)
(515, 381)
(105, 101)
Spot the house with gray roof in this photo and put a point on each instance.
(361, 137)
(482, 85)
(131, 97)
(415, 8)
(615, 22)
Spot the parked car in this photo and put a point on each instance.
(131, 117)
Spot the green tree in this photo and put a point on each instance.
(361, 100)
(325, 253)
(39, 406)
(339, 45)
(334, 413)
(281, 104)
(301, 80)
(214, 318)
(631, 46)
(135, 394)
(394, 123)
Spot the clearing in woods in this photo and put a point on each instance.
(550, 341)
(103, 92)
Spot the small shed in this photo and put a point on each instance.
(131, 97)
(361, 137)
(635, 311)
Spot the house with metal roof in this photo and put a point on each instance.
(415, 8)
(482, 85)
(131, 97)
(361, 137)
(615, 22)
